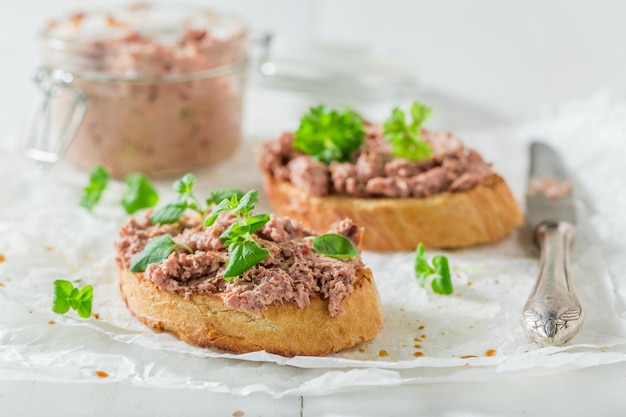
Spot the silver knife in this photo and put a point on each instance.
(552, 315)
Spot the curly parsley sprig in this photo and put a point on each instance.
(406, 140)
(329, 135)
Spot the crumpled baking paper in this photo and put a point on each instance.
(472, 335)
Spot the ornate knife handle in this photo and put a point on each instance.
(553, 315)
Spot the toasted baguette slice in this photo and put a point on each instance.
(287, 330)
(485, 213)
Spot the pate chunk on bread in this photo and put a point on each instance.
(403, 186)
(295, 301)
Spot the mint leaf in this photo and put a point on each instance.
(66, 297)
(98, 181)
(329, 135)
(440, 271)
(335, 246)
(406, 140)
(156, 250)
(242, 256)
(140, 193)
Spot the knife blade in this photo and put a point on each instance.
(552, 315)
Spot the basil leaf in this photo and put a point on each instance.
(442, 284)
(223, 194)
(169, 213)
(139, 194)
(329, 135)
(156, 250)
(242, 256)
(98, 181)
(335, 246)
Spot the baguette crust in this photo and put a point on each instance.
(287, 330)
(485, 213)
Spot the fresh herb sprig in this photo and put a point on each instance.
(440, 271)
(186, 199)
(406, 140)
(334, 245)
(66, 297)
(243, 251)
(139, 193)
(98, 182)
(329, 135)
(156, 250)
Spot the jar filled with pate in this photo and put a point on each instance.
(145, 88)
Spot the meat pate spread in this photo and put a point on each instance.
(163, 87)
(292, 273)
(551, 188)
(374, 172)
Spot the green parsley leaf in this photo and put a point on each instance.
(66, 297)
(335, 246)
(98, 181)
(329, 135)
(243, 255)
(140, 193)
(440, 271)
(156, 250)
(406, 140)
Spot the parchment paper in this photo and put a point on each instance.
(472, 335)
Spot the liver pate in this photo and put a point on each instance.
(374, 172)
(293, 272)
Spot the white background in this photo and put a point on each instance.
(503, 61)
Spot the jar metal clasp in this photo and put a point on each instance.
(42, 143)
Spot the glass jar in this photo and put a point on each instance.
(153, 89)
